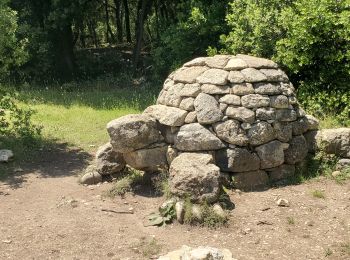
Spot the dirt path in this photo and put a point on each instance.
(46, 214)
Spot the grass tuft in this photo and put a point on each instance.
(318, 194)
(290, 221)
(125, 184)
(328, 252)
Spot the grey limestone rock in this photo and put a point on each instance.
(207, 109)
(132, 132)
(195, 175)
(237, 160)
(195, 137)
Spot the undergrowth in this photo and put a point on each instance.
(320, 164)
(205, 215)
(126, 183)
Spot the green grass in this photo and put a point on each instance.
(79, 117)
(75, 116)
(332, 122)
(343, 176)
(77, 125)
(318, 194)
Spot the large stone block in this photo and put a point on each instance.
(335, 141)
(230, 131)
(261, 133)
(189, 75)
(207, 109)
(250, 181)
(281, 172)
(148, 159)
(195, 137)
(255, 101)
(195, 176)
(213, 76)
(271, 154)
(241, 114)
(237, 160)
(170, 116)
(297, 150)
(132, 132)
(108, 161)
(259, 63)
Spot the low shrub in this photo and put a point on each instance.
(15, 121)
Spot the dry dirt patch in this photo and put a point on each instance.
(53, 217)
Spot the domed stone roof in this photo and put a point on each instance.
(243, 109)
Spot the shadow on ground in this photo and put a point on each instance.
(47, 159)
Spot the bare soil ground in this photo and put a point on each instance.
(46, 214)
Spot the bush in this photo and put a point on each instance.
(12, 51)
(334, 104)
(314, 48)
(14, 120)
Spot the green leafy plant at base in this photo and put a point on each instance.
(164, 216)
(328, 252)
(188, 217)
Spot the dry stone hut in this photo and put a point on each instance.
(218, 116)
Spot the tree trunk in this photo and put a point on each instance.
(127, 21)
(109, 34)
(142, 11)
(93, 33)
(141, 6)
(65, 55)
(118, 19)
(156, 9)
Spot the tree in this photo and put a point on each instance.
(187, 29)
(48, 25)
(12, 50)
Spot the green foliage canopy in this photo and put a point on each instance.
(199, 25)
(310, 38)
(12, 51)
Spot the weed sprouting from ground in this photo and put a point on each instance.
(208, 217)
(318, 194)
(345, 248)
(161, 183)
(211, 219)
(290, 221)
(343, 176)
(125, 184)
(320, 164)
(188, 217)
(328, 252)
(147, 248)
